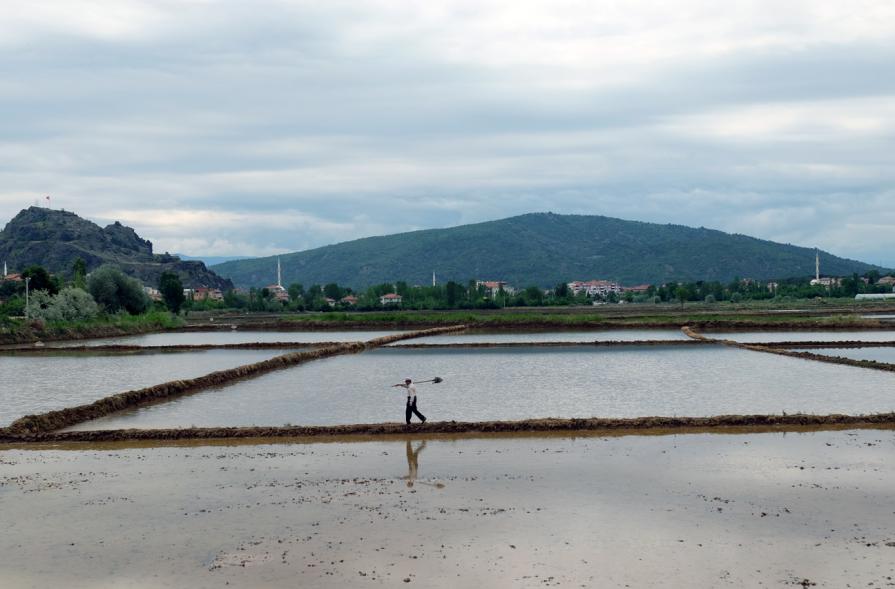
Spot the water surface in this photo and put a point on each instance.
(695, 511)
(38, 383)
(227, 337)
(505, 384)
(627, 335)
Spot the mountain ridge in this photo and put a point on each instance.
(543, 249)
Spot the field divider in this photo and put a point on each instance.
(127, 348)
(778, 349)
(582, 344)
(634, 425)
(54, 420)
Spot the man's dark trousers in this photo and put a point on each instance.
(411, 410)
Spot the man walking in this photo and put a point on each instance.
(411, 401)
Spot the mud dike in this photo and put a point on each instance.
(45, 427)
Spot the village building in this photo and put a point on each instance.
(493, 287)
(390, 299)
(207, 294)
(887, 281)
(348, 300)
(594, 288)
(639, 289)
(278, 292)
(152, 293)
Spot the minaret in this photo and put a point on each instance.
(433, 277)
(816, 264)
(5, 273)
(279, 274)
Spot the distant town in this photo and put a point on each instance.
(17, 287)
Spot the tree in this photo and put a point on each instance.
(40, 279)
(332, 291)
(296, 292)
(562, 291)
(115, 292)
(172, 291)
(79, 273)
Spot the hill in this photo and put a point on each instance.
(55, 239)
(543, 249)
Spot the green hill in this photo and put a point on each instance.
(55, 239)
(543, 249)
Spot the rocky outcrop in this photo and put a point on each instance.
(55, 239)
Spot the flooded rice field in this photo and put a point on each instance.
(803, 336)
(886, 355)
(227, 337)
(626, 335)
(699, 511)
(38, 383)
(520, 383)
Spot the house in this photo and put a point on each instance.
(348, 300)
(207, 294)
(639, 289)
(827, 281)
(887, 281)
(773, 286)
(330, 302)
(278, 292)
(152, 293)
(593, 288)
(13, 277)
(493, 287)
(390, 299)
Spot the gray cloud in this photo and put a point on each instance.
(227, 128)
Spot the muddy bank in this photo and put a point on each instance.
(54, 420)
(780, 348)
(591, 344)
(595, 424)
(28, 335)
(548, 324)
(829, 344)
(872, 364)
(124, 348)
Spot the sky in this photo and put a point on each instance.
(232, 128)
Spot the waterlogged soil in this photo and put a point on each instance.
(37, 383)
(230, 337)
(512, 384)
(793, 510)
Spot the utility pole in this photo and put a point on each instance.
(27, 280)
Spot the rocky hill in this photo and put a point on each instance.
(544, 249)
(55, 239)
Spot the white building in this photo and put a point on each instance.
(594, 288)
(493, 287)
(390, 299)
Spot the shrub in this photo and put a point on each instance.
(710, 298)
(71, 304)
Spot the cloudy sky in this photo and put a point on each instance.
(250, 128)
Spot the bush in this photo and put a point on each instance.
(736, 297)
(710, 299)
(71, 304)
(115, 292)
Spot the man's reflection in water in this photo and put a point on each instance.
(413, 465)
